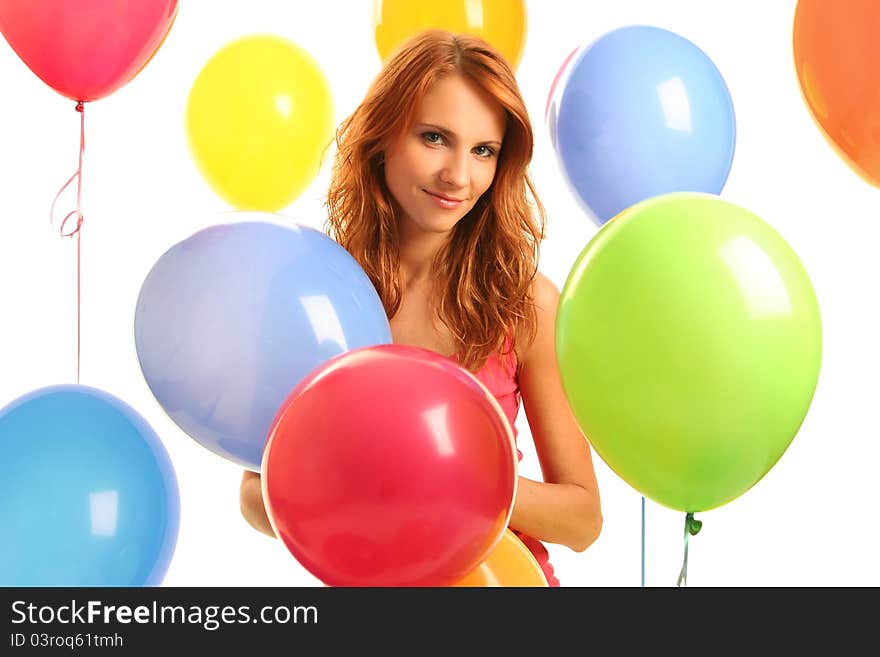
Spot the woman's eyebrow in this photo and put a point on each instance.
(450, 133)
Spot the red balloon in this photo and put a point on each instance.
(86, 49)
(390, 466)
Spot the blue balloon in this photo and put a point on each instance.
(643, 112)
(88, 495)
(231, 319)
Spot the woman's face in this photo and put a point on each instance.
(439, 167)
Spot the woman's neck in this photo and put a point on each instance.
(417, 252)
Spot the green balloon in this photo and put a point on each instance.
(689, 342)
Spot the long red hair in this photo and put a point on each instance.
(484, 273)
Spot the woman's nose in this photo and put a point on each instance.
(455, 172)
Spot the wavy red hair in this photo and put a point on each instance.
(485, 271)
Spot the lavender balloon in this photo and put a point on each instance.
(231, 319)
(643, 112)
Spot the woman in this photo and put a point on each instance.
(431, 195)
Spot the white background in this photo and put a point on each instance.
(812, 520)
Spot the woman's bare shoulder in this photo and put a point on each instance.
(545, 297)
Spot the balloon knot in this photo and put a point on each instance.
(79, 106)
(71, 232)
(693, 525)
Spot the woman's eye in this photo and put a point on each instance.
(484, 151)
(432, 137)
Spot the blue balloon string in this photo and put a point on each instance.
(643, 542)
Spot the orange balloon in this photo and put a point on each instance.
(837, 57)
(510, 563)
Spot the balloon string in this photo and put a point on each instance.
(691, 528)
(76, 231)
(643, 542)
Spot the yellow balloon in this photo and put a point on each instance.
(510, 563)
(500, 22)
(258, 119)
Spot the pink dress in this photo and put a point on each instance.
(499, 375)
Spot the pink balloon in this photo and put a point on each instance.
(556, 79)
(86, 49)
(390, 466)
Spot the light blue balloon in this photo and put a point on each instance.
(231, 319)
(644, 112)
(88, 495)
